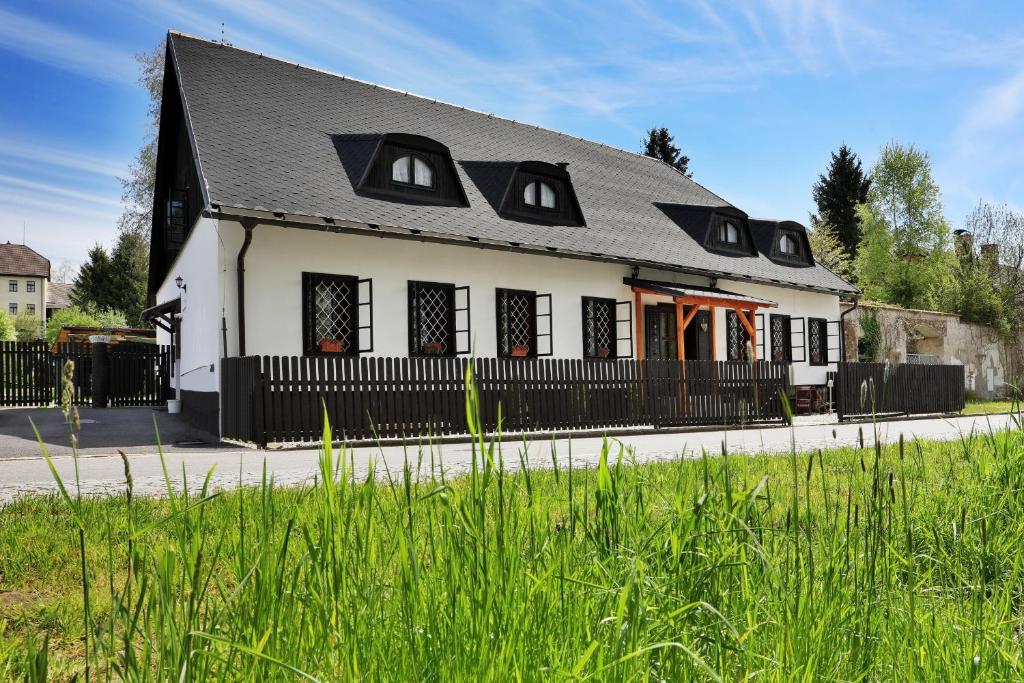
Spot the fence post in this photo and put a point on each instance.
(259, 403)
(100, 374)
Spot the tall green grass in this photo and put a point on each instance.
(897, 562)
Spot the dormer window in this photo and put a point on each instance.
(412, 170)
(728, 233)
(727, 230)
(539, 193)
(788, 245)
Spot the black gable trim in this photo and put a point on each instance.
(375, 179)
(567, 210)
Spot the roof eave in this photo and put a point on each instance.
(344, 225)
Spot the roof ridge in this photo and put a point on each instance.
(435, 100)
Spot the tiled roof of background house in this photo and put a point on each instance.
(18, 259)
(275, 136)
(58, 295)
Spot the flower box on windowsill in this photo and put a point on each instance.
(332, 346)
(603, 352)
(433, 348)
(520, 351)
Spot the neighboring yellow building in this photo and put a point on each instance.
(24, 278)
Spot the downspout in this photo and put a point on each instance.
(842, 330)
(247, 226)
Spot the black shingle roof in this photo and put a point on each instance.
(276, 136)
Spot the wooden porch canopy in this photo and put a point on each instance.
(162, 315)
(695, 296)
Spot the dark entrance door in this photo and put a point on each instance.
(660, 331)
(697, 337)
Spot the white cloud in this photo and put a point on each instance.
(38, 153)
(52, 45)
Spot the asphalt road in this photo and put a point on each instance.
(103, 471)
(103, 432)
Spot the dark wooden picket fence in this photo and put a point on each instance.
(904, 388)
(282, 399)
(31, 374)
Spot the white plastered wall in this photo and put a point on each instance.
(278, 256)
(200, 265)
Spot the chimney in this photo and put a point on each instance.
(564, 165)
(990, 253)
(963, 242)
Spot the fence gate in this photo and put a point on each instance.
(898, 388)
(31, 374)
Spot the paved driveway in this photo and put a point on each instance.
(103, 432)
(232, 465)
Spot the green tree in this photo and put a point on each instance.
(7, 331)
(96, 285)
(73, 316)
(828, 250)
(137, 188)
(111, 318)
(129, 269)
(989, 277)
(27, 327)
(837, 194)
(903, 257)
(660, 145)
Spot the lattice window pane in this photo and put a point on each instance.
(816, 342)
(736, 337)
(334, 313)
(599, 328)
(434, 311)
(780, 338)
(516, 324)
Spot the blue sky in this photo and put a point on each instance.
(757, 93)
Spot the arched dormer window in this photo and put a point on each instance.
(728, 233)
(788, 245)
(412, 170)
(539, 193)
(403, 167)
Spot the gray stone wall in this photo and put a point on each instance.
(991, 363)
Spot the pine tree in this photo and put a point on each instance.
(837, 195)
(129, 265)
(96, 286)
(660, 145)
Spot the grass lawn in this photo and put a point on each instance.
(989, 407)
(852, 564)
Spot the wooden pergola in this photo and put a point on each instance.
(696, 297)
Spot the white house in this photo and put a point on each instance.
(25, 275)
(301, 212)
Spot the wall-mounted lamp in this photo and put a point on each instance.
(181, 283)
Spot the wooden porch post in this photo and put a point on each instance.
(714, 351)
(680, 328)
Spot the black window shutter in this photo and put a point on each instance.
(798, 339)
(460, 324)
(623, 322)
(543, 326)
(414, 319)
(307, 312)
